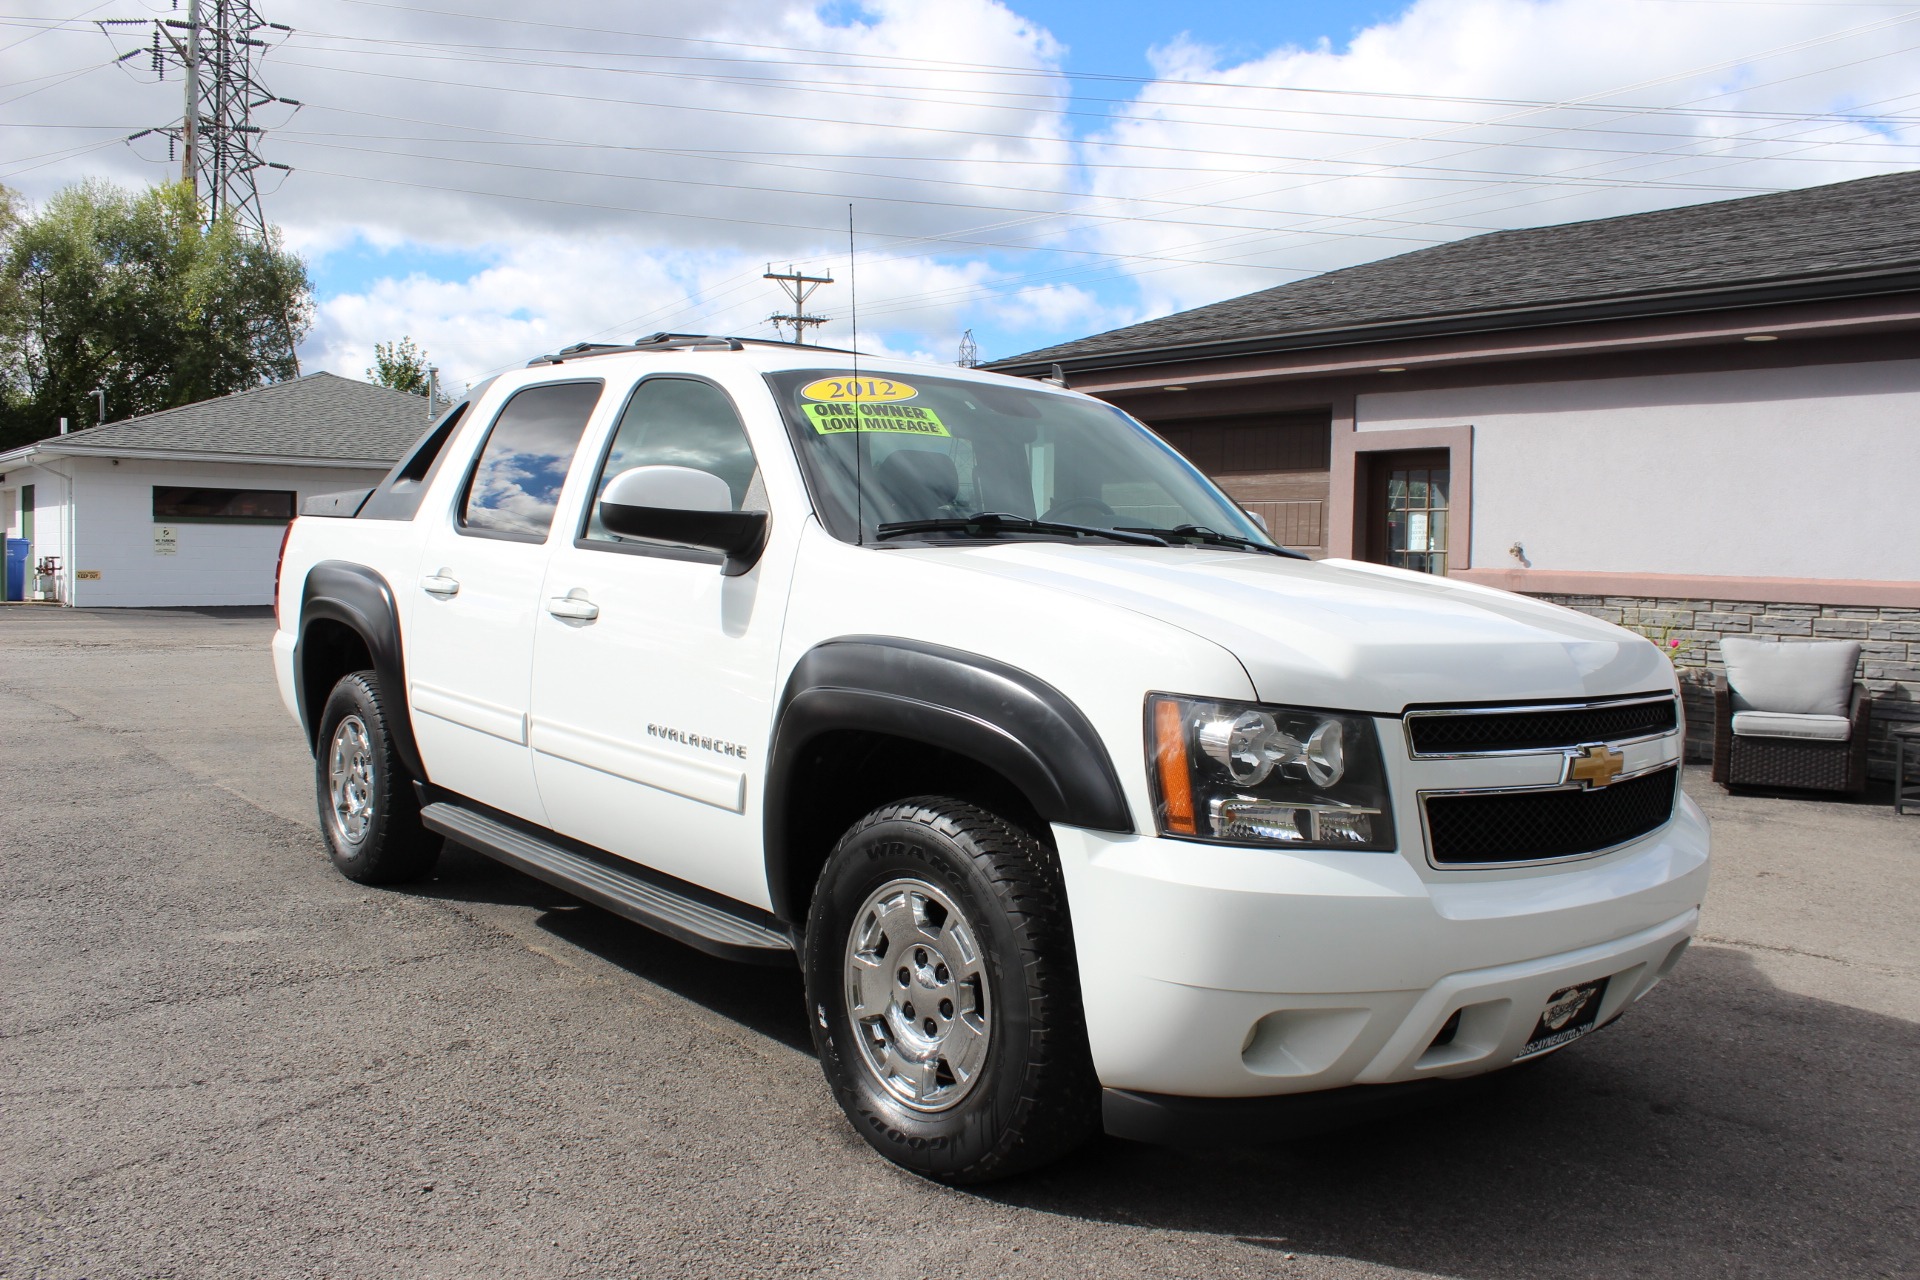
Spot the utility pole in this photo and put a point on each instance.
(218, 47)
(969, 351)
(798, 286)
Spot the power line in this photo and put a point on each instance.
(851, 59)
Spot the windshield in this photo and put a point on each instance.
(943, 449)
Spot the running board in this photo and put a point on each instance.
(712, 929)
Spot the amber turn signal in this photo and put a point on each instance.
(1176, 779)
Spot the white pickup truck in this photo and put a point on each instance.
(1080, 802)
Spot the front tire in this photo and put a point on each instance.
(944, 997)
(369, 816)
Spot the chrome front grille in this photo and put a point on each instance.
(1500, 828)
(1439, 733)
(1505, 786)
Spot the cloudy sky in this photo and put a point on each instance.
(496, 180)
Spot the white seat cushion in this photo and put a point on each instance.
(1803, 677)
(1785, 724)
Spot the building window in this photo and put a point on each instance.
(238, 506)
(1416, 512)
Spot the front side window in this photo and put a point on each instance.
(516, 484)
(895, 450)
(679, 422)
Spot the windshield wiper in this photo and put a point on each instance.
(988, 523)
(1214, 538)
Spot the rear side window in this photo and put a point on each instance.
(516, 483)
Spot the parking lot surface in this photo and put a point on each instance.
(218, 1058)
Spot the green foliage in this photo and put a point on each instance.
(133, 293)
(399, 365)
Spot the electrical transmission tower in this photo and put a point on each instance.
(969, 351)
(217, 48)
(798, 286)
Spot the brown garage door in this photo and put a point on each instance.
(1273, 464)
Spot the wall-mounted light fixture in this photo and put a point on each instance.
(1394, 368)
(1762, 337)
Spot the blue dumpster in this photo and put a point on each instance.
(19, 560)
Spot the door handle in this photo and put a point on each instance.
(439, 584)
(573, 606)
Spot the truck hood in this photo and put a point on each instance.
(1340, 633)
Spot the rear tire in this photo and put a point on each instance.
(943, 994)
(369, 815)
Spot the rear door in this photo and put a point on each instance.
(470, 641)
(652, 715)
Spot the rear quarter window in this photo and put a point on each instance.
(398, 496)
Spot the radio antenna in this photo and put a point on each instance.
(853, 302)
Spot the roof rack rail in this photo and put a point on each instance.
(669, 342)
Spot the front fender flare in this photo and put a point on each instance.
(1004, 718)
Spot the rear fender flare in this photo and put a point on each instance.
(361, 600)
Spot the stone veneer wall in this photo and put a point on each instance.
(1889, 652)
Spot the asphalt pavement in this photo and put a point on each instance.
(218, 1058)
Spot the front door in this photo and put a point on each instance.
(1408, 510)
(654, 673)
(470, 635)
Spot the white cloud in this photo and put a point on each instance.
(616, 169)
(1323, 179)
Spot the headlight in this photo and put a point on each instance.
(1247, 774)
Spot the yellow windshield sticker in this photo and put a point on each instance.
(908, 419)
(847, 390)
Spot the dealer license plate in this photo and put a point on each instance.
(1569, 1014)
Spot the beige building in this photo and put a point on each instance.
(1700, 421)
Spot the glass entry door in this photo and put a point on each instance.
(1410, 511)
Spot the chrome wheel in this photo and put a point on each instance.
(917, 993)
(350, 780)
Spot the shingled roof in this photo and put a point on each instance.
(320, 418)
(1827, 240)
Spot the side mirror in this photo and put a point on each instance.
(683, 505)
(1258, 519)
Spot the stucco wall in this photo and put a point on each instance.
(215, 564)
(1783, 473)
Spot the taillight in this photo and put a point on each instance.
(277, 562)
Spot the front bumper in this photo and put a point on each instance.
(1216, 972)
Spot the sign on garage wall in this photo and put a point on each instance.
(166, 541)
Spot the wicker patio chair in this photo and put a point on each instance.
(1790, 714)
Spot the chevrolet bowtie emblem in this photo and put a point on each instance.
(1596, 765)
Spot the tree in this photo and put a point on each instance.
(399, 365)
(133, 293)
